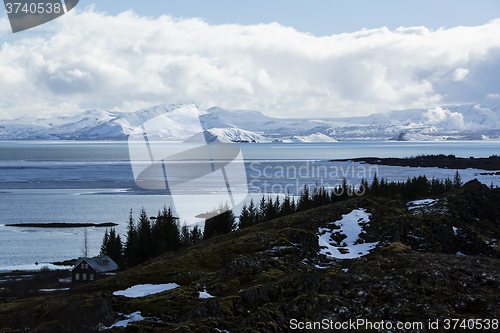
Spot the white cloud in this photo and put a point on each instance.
(444, 118)
(460, 74)
(493, 96)
(125, 62)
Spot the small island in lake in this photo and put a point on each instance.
(440, 161)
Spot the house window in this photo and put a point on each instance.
(91, 277)
(86, 266)
(83, 265)
(84, 276)
(77, 276)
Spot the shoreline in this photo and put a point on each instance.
(62, 225)
(491, 163)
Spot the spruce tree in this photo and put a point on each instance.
(185, 235)
(457, 181)
(222, 223)
(131, 244)
(244, 220)
(144, 237)
(104, 244)
(196, 235)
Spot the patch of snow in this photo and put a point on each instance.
(318, 137)
(460, 253)
(455, 231)
(421, 203)
(345, 269)
(142, 290)
(226, 135)
(349, 247)
(204, 294)
(136, 316)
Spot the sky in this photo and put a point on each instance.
(320, 58)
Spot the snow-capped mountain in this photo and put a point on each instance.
(473, 122)
(226, 135)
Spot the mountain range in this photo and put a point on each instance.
(463, 122)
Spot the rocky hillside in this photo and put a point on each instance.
(429, 260)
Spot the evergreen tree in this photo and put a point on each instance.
(375, 188)
(262, 210)
(457, 181)
(144, 237)
(244, 220)
(304, 200)
(165, 233)
(185, 235)
(222, 223)
(196, 235)
(131, 244)
(253, 216)
(104, 244)
(286, 207)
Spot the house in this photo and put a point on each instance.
(91, 269)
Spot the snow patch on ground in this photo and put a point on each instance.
(350, 247)
(142, 290)
(136, 316)
(421, 203)
(204, 294)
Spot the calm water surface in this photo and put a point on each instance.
(93, 182)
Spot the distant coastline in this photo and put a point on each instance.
(491, 163)
(62, 225)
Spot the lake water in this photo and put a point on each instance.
(94, 182)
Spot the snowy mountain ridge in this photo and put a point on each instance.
(463, 122)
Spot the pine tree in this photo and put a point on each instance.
(104, 244)
(262, 210)
(131, 244)
(224, 222)
(185, 235)
(375, 188)
(196, 235)
(457, 181)
(304, 200)
(252, 214)
(244, 220)
(144, 237)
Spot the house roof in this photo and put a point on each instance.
(99, 264)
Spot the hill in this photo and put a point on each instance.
(428, 260)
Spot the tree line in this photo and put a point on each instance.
(147, 238)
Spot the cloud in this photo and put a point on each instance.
(126, 62)
(445, 118)
(460, 74)
(493, 96)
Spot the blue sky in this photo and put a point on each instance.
(284, 58)
(319, 17)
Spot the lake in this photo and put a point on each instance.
(94, 182)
